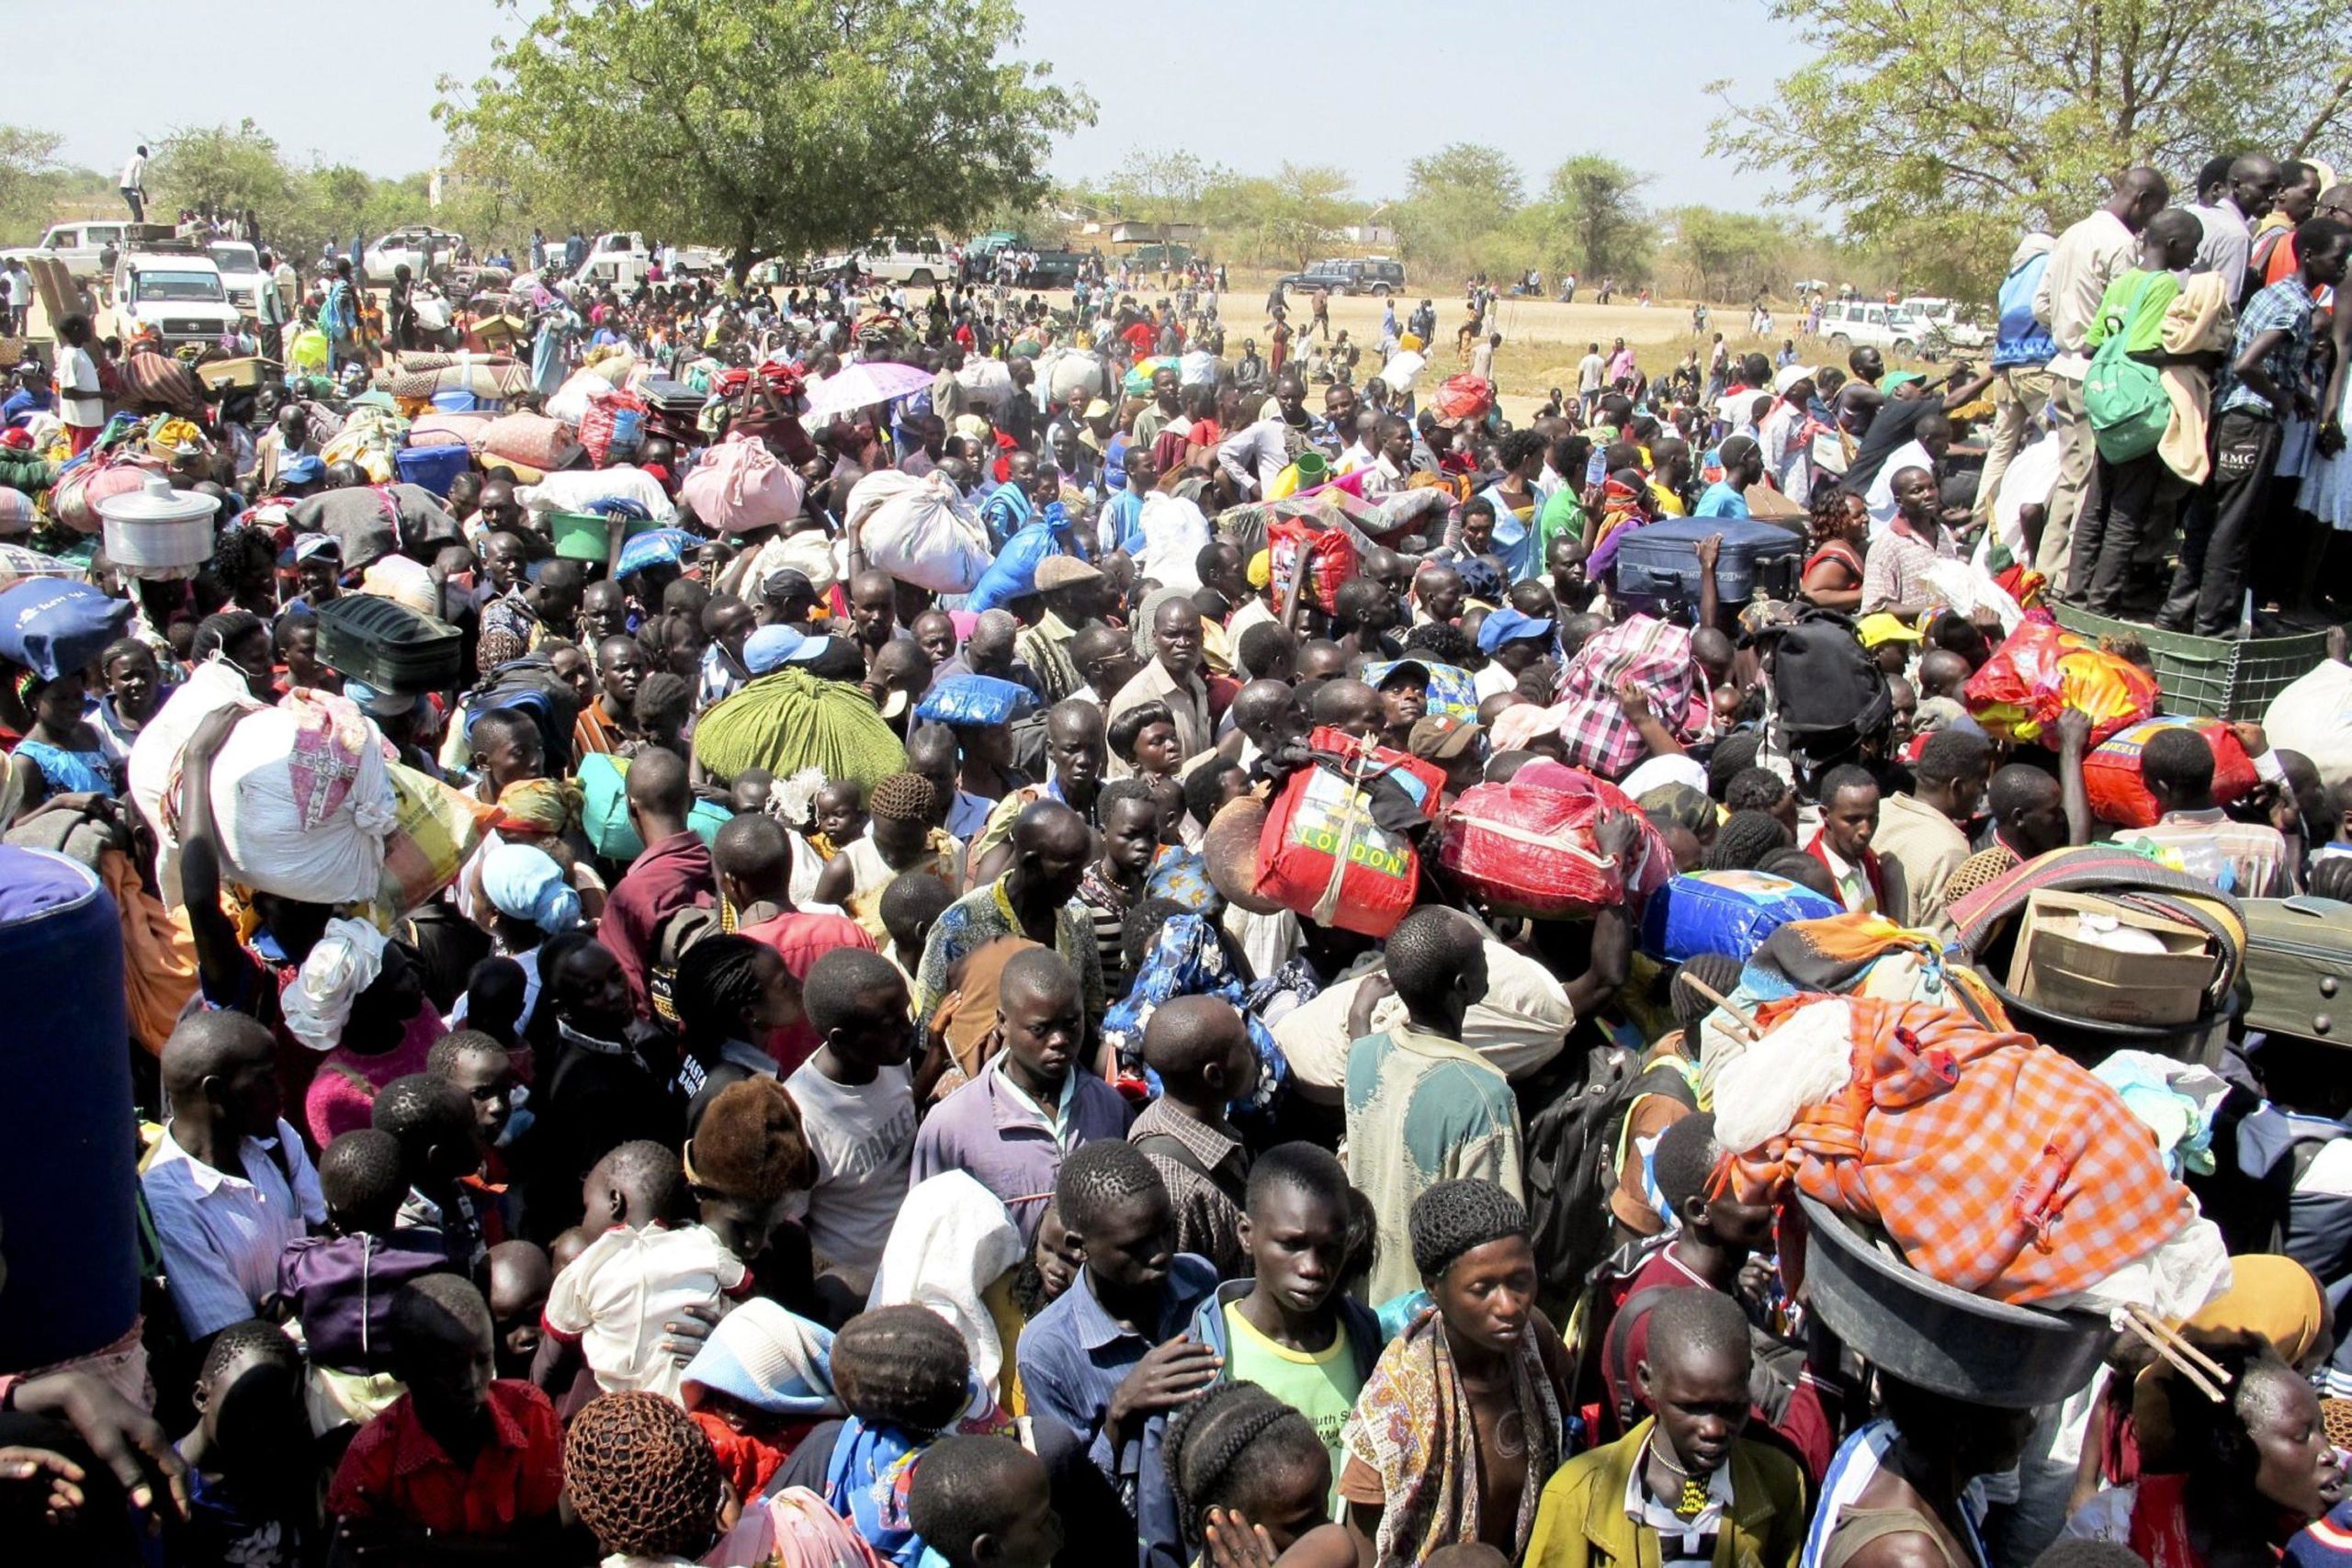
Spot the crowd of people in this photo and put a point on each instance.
(859, 940)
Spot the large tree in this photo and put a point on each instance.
(775, 127)
(1455, 199)
(2022, 111)
(1597, 213)
(28, 160)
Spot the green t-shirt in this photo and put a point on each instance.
(2139, 298)
(1564, 514)
(1321, 1387)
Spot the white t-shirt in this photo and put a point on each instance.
(616, 1296)
(862, 1136)
(80, 403)
(134, 174)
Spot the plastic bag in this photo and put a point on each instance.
(570, 401)
(308, 350)
(2118, 794)
(975, 701)
(1014, 573)
(741, 485)
(1461, 399)
(315, 834)
(2315, 716)
(920, 531)
(2040, 670)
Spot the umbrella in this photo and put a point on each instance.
(862, 385)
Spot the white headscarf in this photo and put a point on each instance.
(345, 962)
(952, 1241)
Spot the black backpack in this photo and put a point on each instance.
(532, 685)
(1571, 1163)
(1824, 684)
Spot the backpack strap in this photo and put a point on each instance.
(1171, 1147)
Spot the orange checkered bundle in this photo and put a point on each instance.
(1997, 1165)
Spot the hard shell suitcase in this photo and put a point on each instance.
(388, 645)
(1657, 565)
(2298, 974)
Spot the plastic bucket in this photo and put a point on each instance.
(457, 400)
(581, 536)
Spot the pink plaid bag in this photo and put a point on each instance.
(1652, 655)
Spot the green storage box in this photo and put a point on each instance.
(2212, 676)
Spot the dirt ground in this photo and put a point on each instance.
(1542, 339)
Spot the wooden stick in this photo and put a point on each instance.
(1747, 1023)
(2174, 1338)
(2196, 1378)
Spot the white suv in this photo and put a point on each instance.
(178, 292)
(919, 260)
(1847, 322)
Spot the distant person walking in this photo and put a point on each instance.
(134, 185)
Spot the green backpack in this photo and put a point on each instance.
(2123, 398)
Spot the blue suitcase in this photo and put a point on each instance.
(1658, 567)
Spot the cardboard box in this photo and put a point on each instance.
(247, 372)
(2058, 967)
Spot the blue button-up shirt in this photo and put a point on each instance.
(1073, 1357)
(2285, 306)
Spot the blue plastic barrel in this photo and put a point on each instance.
(68, 1145)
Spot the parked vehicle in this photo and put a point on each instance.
(616, 261)
(1847, 322)
(1376, 276)
(1946, 319)
(917, 259)
(241, 273)
(88, 248)
(419, 247)
(174, 287)
(1154, 256)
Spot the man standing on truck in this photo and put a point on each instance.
(134, 184)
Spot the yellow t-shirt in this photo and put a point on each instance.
(1322, 1387)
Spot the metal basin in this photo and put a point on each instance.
(1927, 1333)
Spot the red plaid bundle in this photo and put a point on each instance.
(1652, 655)
(1999, 1165)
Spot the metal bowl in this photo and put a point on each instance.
(1943, 1339)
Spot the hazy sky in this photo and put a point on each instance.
(1365, 85)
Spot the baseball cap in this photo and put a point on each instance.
(1790, 374)
(787, 582)
(771, 646)
(302, 470)
(1507, 625)
(1441, 736)
(1883, 627)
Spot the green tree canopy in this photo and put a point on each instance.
(2022, 111)
(1455, 199)
(1598, 217)
(28, 159)
(775, 127)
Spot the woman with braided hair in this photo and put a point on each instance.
(902, 839)
(1746, 840)
(1460, 1425)
(732, 995)
(643, 1479)
(1253, 1481)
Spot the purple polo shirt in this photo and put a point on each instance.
(986, 1129)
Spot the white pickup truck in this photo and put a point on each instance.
(178, 292)
(84, 244)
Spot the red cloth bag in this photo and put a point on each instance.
(1322, 854)
(1527, 847)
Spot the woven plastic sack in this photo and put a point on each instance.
(436, 828)
(1725, 911)
(2039, 670)
(1528, 849)
(920, 531)
(1321, 853)
(741, 485)
(312, 834)
(613, 426)
(789, 720)
(570, 401)
(2118, 794)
